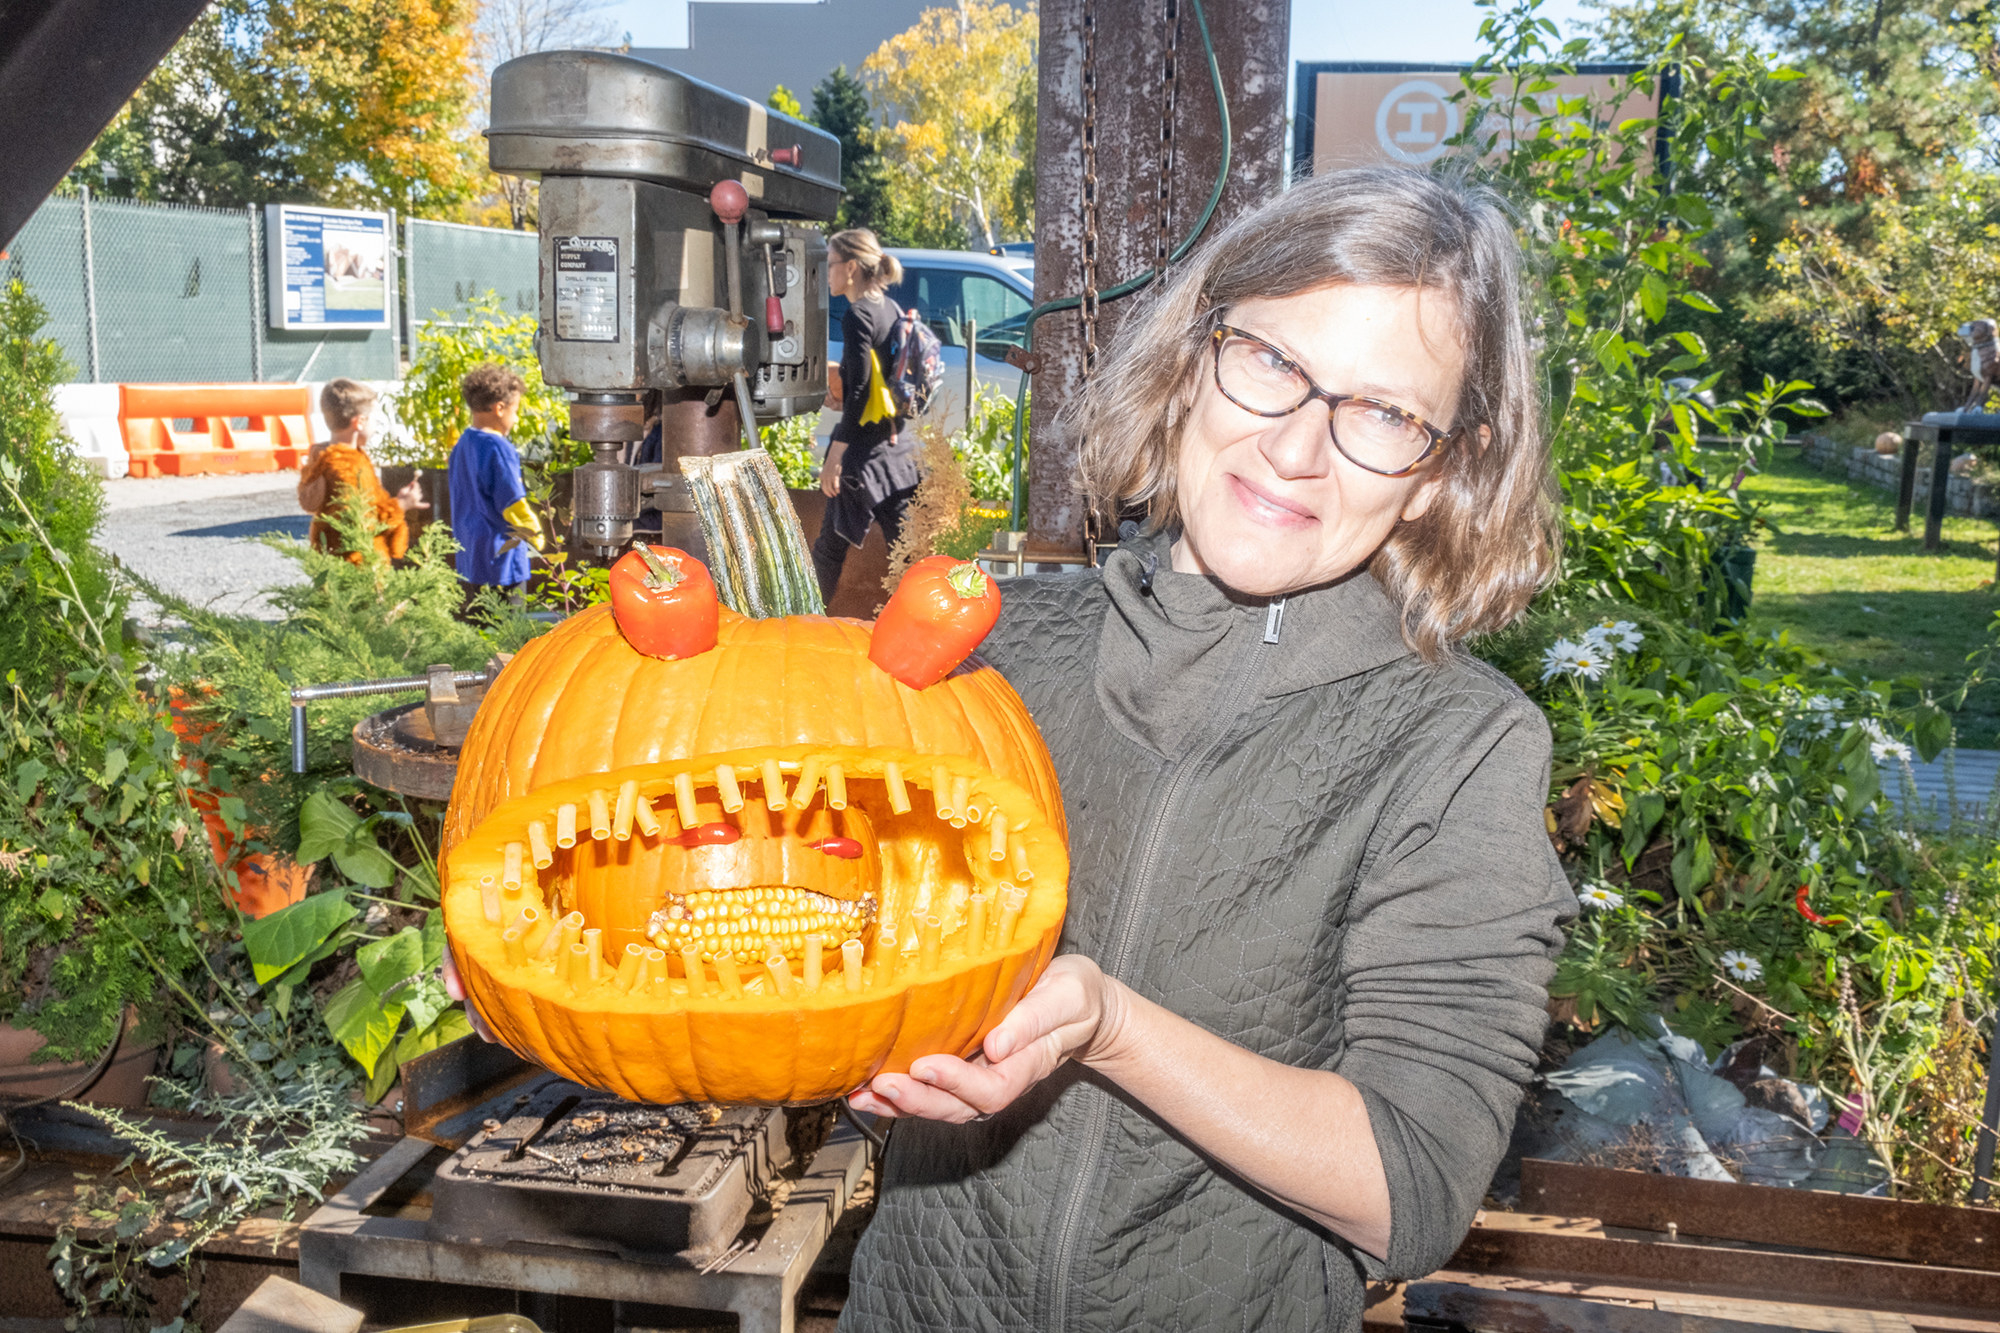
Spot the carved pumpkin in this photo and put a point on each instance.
(906, 894)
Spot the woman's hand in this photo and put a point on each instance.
(412, 496)
(1073, 1012)
(834, 388)
(829, 470)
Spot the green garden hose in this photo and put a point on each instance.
(1130, 285)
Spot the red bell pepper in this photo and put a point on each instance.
(664, 602)
(939, 613)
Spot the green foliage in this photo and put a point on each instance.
(48, 589)
(790, 444)
(984, 446)
(345, 622)
(98, 843)
(1706, 777)
(840, 107)
(272, 1147)
(455, 341)
(785, 100)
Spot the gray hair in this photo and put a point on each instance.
(1489, 538)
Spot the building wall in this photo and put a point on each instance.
(751, 48)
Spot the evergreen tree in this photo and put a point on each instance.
(840, 107)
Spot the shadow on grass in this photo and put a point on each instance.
(1891, 544)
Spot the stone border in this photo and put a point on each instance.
(1963, 496)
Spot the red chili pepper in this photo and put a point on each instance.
(847, 849)
(1799, 900)
(664, 602)
(940, 612)
(716, 834)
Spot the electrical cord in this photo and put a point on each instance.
(881, 1141)
(90, 1076)
(1130, 285)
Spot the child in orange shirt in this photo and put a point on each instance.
(341, 465)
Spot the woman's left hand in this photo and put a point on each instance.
(1072, 1012)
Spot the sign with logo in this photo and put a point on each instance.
(1363, 113)
(328, 268)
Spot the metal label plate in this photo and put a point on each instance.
(587, 289)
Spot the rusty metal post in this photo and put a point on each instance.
(1131, 47)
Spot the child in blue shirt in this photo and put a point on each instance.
(490, 514)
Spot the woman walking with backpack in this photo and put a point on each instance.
(869, 474)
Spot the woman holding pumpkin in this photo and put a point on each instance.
(1312, 907)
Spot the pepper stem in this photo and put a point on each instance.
(967, 580)
(660, 574)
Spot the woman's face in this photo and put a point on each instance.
(1268, 505)
(837, 273)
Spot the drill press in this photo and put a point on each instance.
(678, 253)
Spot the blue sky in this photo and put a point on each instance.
(1321, 29)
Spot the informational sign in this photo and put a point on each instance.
(1362, 113)
(330, 268)
(587, 289)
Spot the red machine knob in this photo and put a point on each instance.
(774, 315)
(729, 200)
(795, 156)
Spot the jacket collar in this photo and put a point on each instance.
(1324, 634)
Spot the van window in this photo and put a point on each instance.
(946, 298)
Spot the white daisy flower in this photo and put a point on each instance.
(1762, 780)
(1620, 636)
(1600, 897)
(1741, 966)
(1879, 743)
(1821, 716)
(1560, 658)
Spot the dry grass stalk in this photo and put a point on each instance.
(936, 510)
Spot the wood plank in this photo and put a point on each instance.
(1821, 1318)
(282, 1306)
(1717, 1270)
(1492, 1311)
(1923, 1233)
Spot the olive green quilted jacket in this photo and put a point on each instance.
(1288, 829)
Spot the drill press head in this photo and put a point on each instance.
(669, 210)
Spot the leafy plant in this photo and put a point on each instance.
(790, 443)
(431, 406)
(95, 819)
(273, 1146)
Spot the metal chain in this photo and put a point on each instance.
(1169, 76)
(1087, 309)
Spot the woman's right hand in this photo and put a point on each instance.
(829, 470)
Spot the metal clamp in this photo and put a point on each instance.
(441, 683)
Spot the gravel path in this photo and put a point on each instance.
(197, 537)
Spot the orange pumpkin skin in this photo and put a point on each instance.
(579, 711)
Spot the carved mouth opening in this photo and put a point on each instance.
(757, 874)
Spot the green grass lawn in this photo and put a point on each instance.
(1869, 599)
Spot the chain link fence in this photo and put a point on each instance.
(163, 293)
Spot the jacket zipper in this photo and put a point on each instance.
(1097, 1116)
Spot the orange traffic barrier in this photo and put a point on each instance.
(275, 435)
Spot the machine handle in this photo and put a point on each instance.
(774, 316)
(788, 157)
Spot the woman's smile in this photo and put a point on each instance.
(1263, 507)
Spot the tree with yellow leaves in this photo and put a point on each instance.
(357, 102)
(956, 92)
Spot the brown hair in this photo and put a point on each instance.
(1489, 538)
(343, 401)
(490, 384)
(875, 268)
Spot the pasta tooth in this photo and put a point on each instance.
(623, 813)
(726, 788)
(566, 825)
(899, 795)
(538, 844)
(774, 786)
(684, 799)
(600, 816)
